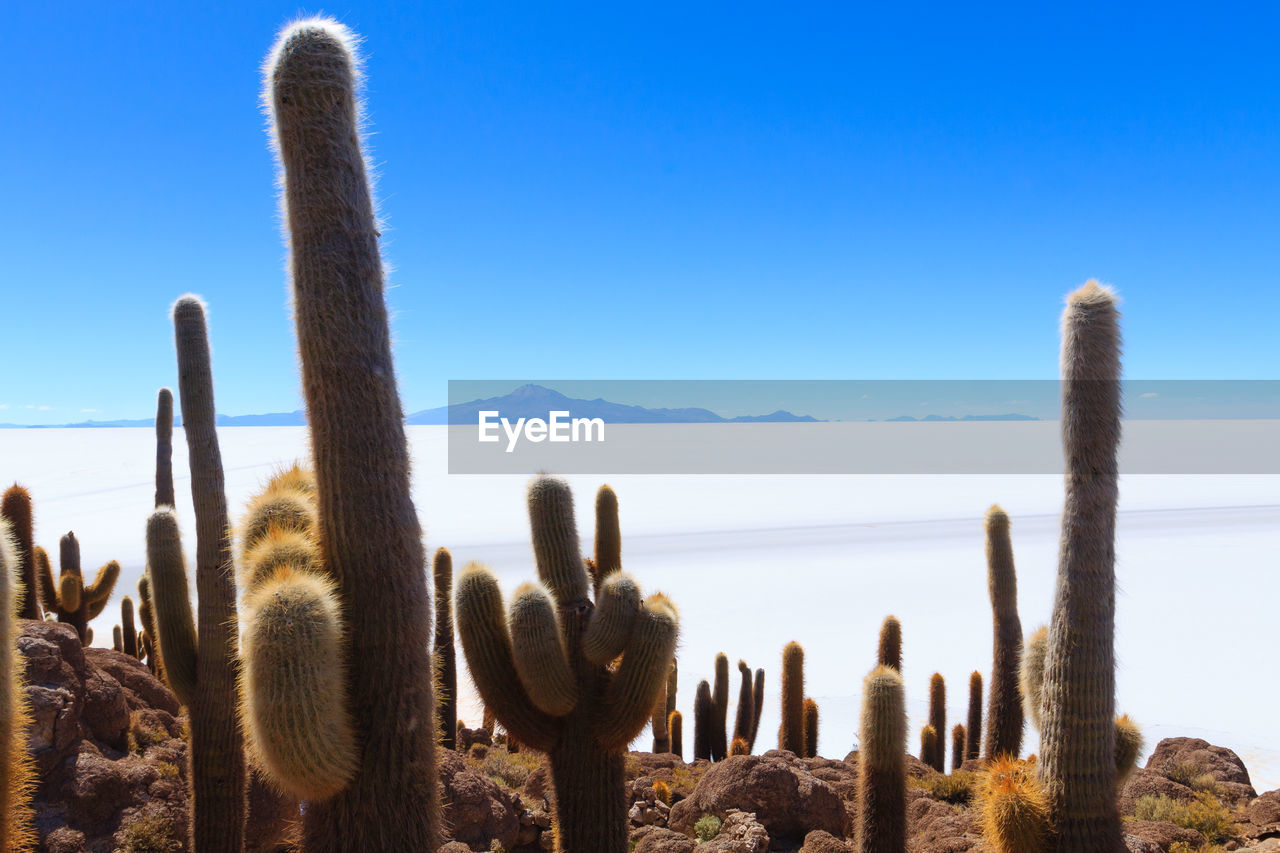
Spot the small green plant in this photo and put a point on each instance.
(142, 735)
(506, 768)
(707, 827)
(956, 789)
(1205, 814)
(152, 834)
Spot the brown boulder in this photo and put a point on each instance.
(739, 833)
(819, 841)
(656, 839)
(1149, 783)
(1261, 818)
(106, 712)
(938, 827)
(142, 689)
(478, 810)
(786, 798)
(1162, 833)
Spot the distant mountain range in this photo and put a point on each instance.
(533, 401)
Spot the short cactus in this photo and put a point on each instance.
(929, 745)
(757, 706)
(938, 721)
(128, 631)
(1077, 747)
(1004, 710)
(739, 746)
(889, 652)
(882, 764)
(546, 672)
(117, 639)
(17, 773)
(15, 507)
(791, 733)
(973, 725)
(73, 601)
(1013, 808)
(675, 726)
(703, 712)
(810, 729)
(1129, 743)
(445, 657)
(720, 715)
(957, 747)
(744, 719)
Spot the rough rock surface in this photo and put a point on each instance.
(788, 800)
(657, 839)
(740, 833)
(819, 841)
(1187, 753)
(476, 810)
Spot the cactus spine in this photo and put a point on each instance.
(368, 530)
(1129, 743)
(744, 720)
(1031, 675)
(889, 652)
(957, 747)
(675, 725)
(164, 448)
(938, 721)
(973, 725)
(446, 660)
(128, 631)
(1004, 711)
(17, 774)
(548, 677)
(720, 720)
(201, 658)
(739, 747)
(16, 508)
(791, 735)
(1077, 760)
(810, 729)
(661, 734)
(1013, 809)
(757, 706)
(703, 706)
(882, 764)
(73, 601)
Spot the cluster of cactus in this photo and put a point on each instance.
(544, 666)
(711, 712)
(75, 602)
(17, 774)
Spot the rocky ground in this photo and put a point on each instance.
(108, 740)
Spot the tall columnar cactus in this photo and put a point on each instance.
(703, 712)
(71, 599)
(1004, 711)
(745, 717)
(17, 775)
(957, 746)
(293, 704)
(1013, 809)
(973, 725)
(938, 720)
(15, 507)
(720, 717)
(791, 733)
(370, 538)
(164, 448)
(1031, 674)
(128, 631)
(757, 707)
(446, 659)
(810, 728)
(201, 657)
(1078, 746)
(882, 764)
(675, 725)
(889, 652)
(546, 670)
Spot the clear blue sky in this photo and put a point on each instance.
(708, 190)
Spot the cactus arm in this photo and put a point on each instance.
(629, 699)
(70, 593)
(539, 653)
(555, 542)
(44, 579)
(99, 592)
(608, 543)
(617, 606)
(172, 600)
(486, 644)
(164, 448)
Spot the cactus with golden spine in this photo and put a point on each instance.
(1129, 743)
(675, 726)
(546, 670)
(1004, 710)
(369, 533)
(757, 706)
(1013, 809)
(957, 746)
(744, 719)
(15, 507)
(739, 747)
(791, 732)
(882, 764)
(1078, 744)
(201, 654)
(720, 710)
(74, 602)
(973, 725)
(938, 721)
(446, 660)
(1031, 674)
(703, 711)
(889, 651)
(17, 772)
(293, 682)
(810, 729)
(929, 745)
(147, 616)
